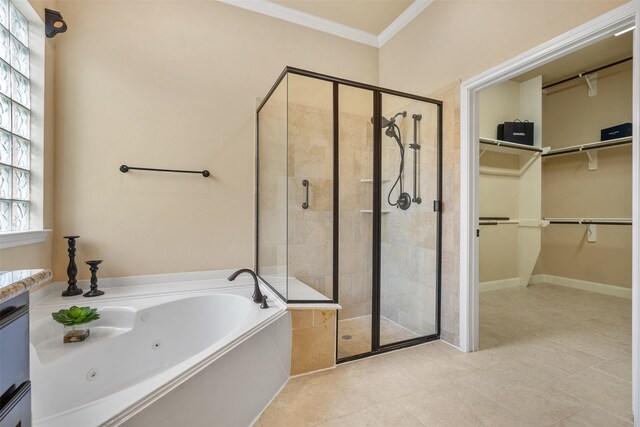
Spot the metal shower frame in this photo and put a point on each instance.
(377, 93)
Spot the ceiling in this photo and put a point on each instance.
(371, 22)
(366, 15)
(605, 52)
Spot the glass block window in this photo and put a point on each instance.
(15, 119)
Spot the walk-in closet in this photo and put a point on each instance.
(555, 227)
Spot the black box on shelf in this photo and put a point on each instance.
(615, 132)
(516, 131)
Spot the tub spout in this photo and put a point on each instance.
(257, 295)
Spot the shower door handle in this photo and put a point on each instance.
(305, 184)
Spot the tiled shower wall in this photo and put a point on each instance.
(356, 223)
(310, 157)
(310, 133)
(450, 288)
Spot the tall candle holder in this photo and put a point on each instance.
(72, 269)
(93, 268)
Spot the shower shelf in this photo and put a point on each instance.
(371, 180)
(371, 211)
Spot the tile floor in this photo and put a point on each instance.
(551, 356)
(359, 329)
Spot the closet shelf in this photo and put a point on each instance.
(526, 152)
(371, 180)
(589, 146)
(506, 147)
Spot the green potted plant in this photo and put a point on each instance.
(73, 320)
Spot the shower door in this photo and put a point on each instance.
(388, 221)
(409, 220)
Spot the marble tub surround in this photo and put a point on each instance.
(16, 282)
(313, 340)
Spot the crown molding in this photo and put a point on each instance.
(403, 20)
(274, 10)
(306, 20)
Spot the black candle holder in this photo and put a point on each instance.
(72, 269)
(93, 268)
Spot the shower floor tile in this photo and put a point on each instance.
(354, 335)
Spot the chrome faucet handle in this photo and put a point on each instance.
(264, 302)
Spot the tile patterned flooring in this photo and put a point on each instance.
(359, 329)
(551, 356)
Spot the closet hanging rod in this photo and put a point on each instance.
(589, 146)
(494, 218)
(587, 221)
(586, 73)
(125, 169)
(499, 143)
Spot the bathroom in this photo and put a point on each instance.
(177, 85)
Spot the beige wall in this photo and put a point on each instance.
(507, 251)
(173, 85)
(571, 190)
(498, 104)
(40, 255)
(461, 38)
(455, 40)
(498, 193)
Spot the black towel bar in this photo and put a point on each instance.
(125, 169)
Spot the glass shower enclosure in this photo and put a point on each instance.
(348, 206)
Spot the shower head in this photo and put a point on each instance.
(401, 113)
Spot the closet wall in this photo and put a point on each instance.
(509, 186)
(498, 193)
(569, 189)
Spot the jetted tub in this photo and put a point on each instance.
(197, 353)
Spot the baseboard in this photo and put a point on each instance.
(495, 285)
(584, 285)
(536, 278)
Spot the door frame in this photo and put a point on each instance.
(582, 36)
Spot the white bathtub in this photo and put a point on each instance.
(198, 353)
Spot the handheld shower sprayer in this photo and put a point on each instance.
(393, 131)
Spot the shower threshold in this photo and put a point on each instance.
(354, 335)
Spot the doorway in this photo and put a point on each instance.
(605, 26)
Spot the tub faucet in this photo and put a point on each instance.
(257, 295)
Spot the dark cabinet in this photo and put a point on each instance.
(17, 411)
(15, 387)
